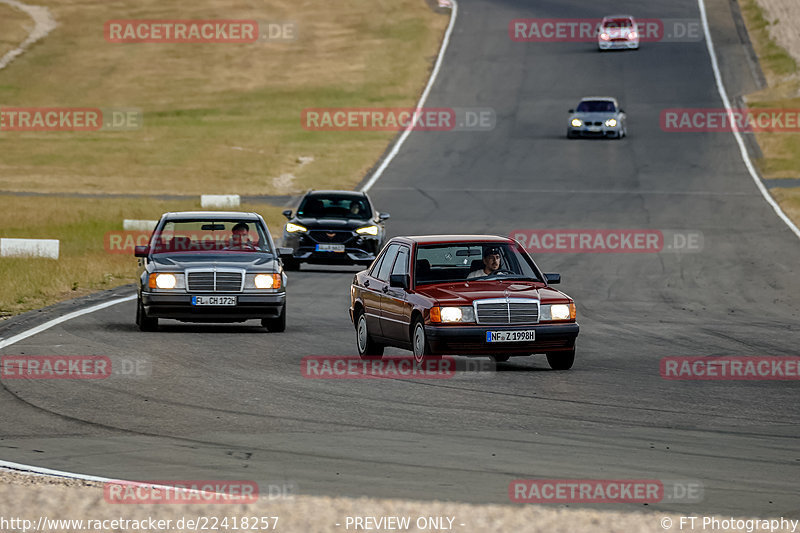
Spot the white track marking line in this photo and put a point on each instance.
(739, 140)
(56, 321)
(439, 60)
(44, 23)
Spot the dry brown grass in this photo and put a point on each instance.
(84, 264)
(781, 151)
(218, 118)
(14, 28)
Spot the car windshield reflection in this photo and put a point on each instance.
(210, 236)
(445, 263)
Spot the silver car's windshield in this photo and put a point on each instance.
(210, 236)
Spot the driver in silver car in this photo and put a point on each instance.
(240, 237)
(491, 263)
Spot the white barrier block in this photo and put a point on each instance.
(219, 200)
(139, 225)
(29, 248)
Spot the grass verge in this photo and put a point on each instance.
(85, 264)
(218, 118)
(14, 28)
(781, 150)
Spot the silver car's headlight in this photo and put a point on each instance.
(266, 280)
(611, 123)
(576, 123)
(166, 280)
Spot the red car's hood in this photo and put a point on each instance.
(463, 293)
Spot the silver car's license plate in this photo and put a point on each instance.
(521, 335)
(330, 248)
(213, 300)
(594, 129)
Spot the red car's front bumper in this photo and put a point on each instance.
(471, 340)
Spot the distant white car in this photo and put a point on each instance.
(618, 32)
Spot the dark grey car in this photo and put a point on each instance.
(211, 267)
(334, 227)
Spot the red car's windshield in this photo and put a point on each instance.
(210, 236)
(618, 23)
(440, 263)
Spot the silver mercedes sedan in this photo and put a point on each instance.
(597, 116)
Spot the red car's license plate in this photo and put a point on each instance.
(522, 335)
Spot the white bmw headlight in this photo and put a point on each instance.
(611, 123)
(368, 230)
(576, 123)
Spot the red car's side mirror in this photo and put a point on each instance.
(141, 251)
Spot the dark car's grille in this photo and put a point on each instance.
(209, 281)
(323, 236)
(515, 311)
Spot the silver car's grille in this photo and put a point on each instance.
(215, 281)
(507, 311)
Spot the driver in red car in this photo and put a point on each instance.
(491, 263)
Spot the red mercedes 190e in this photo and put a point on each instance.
(462, 295)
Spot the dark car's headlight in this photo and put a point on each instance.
(165, 280)
(452, 314)
(295, 228)
(611, 123)
(368, 230)
(553, 312)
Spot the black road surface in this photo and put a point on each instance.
(229, 402)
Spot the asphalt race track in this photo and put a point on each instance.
(229, 402)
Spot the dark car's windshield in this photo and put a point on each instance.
(596, 106)
(472, 261)
(618, 23)
(334, 206)
(210, 236)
